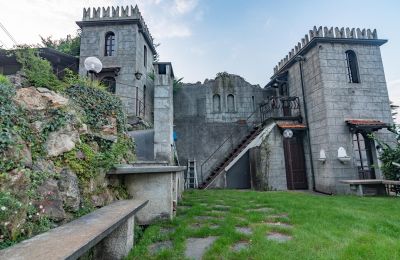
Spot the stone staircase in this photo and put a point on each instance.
(231, 156)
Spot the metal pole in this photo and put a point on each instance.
(301, 59)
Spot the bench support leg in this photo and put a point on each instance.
(117, 244)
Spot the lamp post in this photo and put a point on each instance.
(93, 66)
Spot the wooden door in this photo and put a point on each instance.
(296, 176)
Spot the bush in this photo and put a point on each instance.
(38, 71)
(98, 105)
(4, 80)
(389, 155)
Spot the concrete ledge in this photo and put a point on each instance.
(130, 169)
(73, 239)
(372, 181)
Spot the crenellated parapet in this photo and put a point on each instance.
(326, 33)
(116, 13)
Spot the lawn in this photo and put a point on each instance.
(315, 226)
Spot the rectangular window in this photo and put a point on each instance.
(145, 56)
(162, 69)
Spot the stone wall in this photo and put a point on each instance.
(201, 130)
(129, 51)
(331, 99)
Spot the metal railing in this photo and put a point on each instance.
(281, 108)
(229, 141)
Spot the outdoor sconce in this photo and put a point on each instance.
(322, 156)
(93, 66)
(342, 155)
(138, 75)
(288, 133)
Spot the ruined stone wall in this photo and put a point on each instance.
(201, 130)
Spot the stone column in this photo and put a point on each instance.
(117, 244)
(163, 112)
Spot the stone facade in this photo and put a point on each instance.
(201, 128)
(331, 99)
(131, 39)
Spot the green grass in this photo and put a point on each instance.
(323, 227)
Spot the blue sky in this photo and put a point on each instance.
(204, 37)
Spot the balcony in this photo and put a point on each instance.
(281, 108)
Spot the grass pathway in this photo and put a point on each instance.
(227, 224)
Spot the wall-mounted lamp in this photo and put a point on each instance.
(322, 156)
(138, 75)
(342, 155)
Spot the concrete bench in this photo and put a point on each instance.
(372, 186)
(161, 185)
(109, 231)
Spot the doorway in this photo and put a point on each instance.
(296, 176)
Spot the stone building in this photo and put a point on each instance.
(119, 37)
(317, 112)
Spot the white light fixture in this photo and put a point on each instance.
(93, 65)
(322, 156)
(342, 155)
(288, 133)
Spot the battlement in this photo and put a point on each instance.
(118, 13)
(325, 32)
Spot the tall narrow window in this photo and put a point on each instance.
(144, 100)
(145, 56)
(352, 67)
(216, 103)
(109, 47)
(110, 83)
(253, 103)
(231, 103)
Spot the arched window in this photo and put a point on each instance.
(231, 103)
(110, 83)
(145, 56)
(109, 47)
(352, 67)
(216, 103)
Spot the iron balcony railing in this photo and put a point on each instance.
(281, 108)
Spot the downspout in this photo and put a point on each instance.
(300, 59)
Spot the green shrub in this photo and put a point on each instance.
(98, 104)
(4, 80)
(38, 71)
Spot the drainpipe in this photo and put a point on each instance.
(300, 59)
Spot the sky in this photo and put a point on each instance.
(204, 37)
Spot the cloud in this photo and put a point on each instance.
(185, 6)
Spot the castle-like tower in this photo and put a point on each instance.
(339, 77)
(119, 37)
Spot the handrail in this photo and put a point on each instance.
(220, 146)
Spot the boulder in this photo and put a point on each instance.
(102, 199)
(18, 182)
(69, 190)
(110, 128)
(19, 152)
(51, 205)
(39, 98)
(43, 165)
(61, 141)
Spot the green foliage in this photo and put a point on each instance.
(38, 71)
(98, 106)
(177, 84)
(69, 45)
(4, 80)
(73, 79)
(390, 155)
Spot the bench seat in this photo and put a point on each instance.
(75, 238)
(370, 186)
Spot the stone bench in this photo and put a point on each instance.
(109, 231)
(372, 187)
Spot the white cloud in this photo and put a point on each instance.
(185, 6)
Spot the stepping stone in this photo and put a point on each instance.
(240, 246)
(166, 231)
(283, 215)
(244, 230)
(203, 218)
(221, 208)
(279, 224)
(196, 225)
(159, 246)
(196, 247)
(278, 237)
(262, 209)
(213, 226)
(241, 218)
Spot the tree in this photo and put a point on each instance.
(70, 45)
